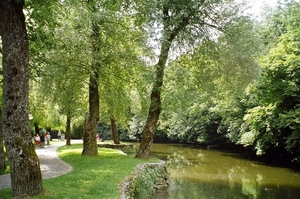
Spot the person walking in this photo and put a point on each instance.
(48, 138)
(59, 135)
(42, 139)
(37, 140)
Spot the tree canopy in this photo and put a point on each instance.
(215, 74)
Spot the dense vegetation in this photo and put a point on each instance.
(241, 89)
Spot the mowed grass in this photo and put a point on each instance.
(91, 177)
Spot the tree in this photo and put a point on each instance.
(272, 125)
(89, 135)
(201, 89)
(41, 20)
(181, 23)
(114, 132)
(24, 164)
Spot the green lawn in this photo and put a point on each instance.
(91, 177)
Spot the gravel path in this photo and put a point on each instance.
(51, 165)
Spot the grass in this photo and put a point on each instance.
(91, 177)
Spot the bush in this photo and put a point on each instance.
(77, 132)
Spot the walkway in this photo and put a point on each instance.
(51, 165)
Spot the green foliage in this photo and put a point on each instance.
(104, 131)
(77, 131)
(201, 89)
(273, 123)
(260, 131)
(144, 183)
(209, 67)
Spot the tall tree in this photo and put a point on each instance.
(41, 20)
(24, 164)
(122, 48)
(89, 136)
(180, 22)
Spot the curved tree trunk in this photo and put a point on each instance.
(155, 105)
(26, 178)
(169, 33)
(114, 132)
(68, 131)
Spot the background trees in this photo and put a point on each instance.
(181, 24)
(67, 75)
(272, 124)
(210, 94)
(202, 89)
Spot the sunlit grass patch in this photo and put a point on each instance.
(91, 177)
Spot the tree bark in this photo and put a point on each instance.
(26, 178)
(2, 156)
(114, 132)
(68, 131)
(89, 137)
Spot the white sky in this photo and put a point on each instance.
(257, 6)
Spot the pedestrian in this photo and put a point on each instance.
(58, 135)
(37, 140)
(48, 137)
(42, 139)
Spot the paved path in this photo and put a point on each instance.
(51, 165)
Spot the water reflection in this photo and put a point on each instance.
(203, 174)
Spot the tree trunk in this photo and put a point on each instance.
(114, 132)
(2, 156)
(36, 128)
(89, 137)
(26, 178)
(155, 98)
(155, 105)
(68, 131)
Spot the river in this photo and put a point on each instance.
(210, 174)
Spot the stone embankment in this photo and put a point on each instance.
(147, 178)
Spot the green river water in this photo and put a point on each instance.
(210, 174)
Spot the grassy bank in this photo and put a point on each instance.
(91, 177)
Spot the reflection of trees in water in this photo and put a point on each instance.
(241, 176)
(203, 174)
(181, 158)
(252, 185)
(189, 189)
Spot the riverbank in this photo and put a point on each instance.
(91, 177)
